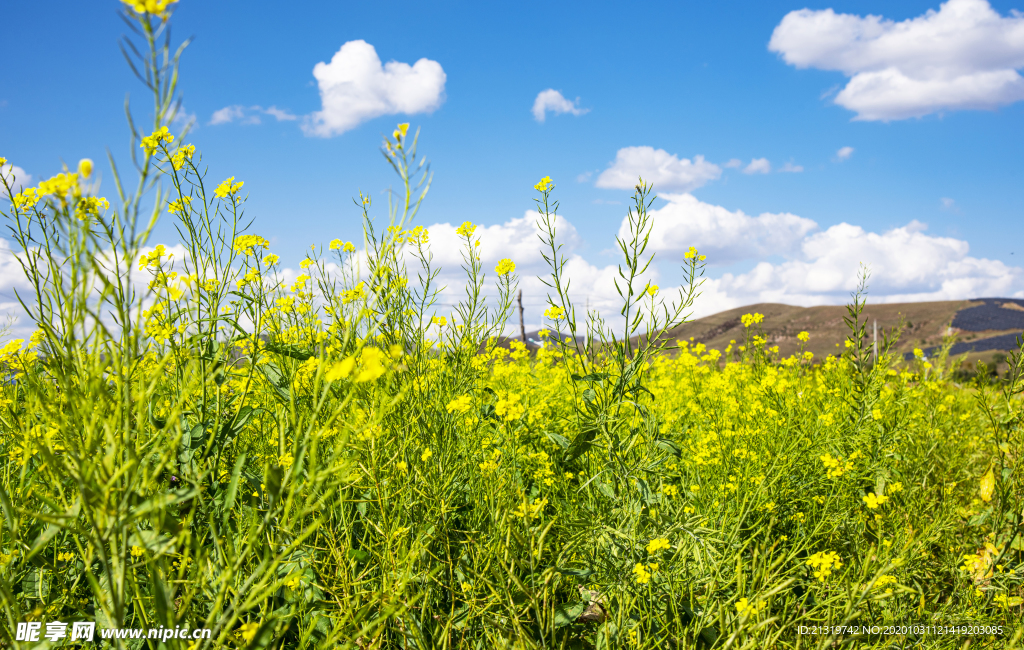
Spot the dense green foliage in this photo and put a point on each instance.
(329, 462)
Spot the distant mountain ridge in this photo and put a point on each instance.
(981, 325)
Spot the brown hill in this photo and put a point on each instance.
(926, 324)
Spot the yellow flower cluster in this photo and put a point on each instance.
(528, 511)
(874, 500)
(693, 254)
(544, 185)
(228, 188)
(823, 562)
(418, 235)
(356, 293)
(90, 206)
(370, 365)
(247, 244)
(744, 606)
(554, 312)
(836, 467)
(337, 244)
(657, 544)
(181, 155)
(460, 404)
(751, 319)
(153, 141)
(643, 572)
(153, 259)
(505, 266)
(180, 206)
(156, 7)
(466, 229)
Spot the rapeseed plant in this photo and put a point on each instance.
(333, 463)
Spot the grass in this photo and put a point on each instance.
(332, 463)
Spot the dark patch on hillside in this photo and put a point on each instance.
(995, 314)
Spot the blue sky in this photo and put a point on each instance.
(941, 149)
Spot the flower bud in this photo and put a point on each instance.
(85, 167)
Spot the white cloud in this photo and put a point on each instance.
(844, 153)
(356, 87)
(758, 166)
(227, 114)
(906, 265)
(552, 100)
(16, 176)
(658, 167)
(963, 56)
(949, 204)
(733, 163)
(723, 235)
(791, 168)
(820, 267)
(249, 114)
(280, 114)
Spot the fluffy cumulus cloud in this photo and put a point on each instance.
(963, 56)
(16, 177)
(355, 87)
(552, 101)
(656, 166)
(906, 265)
(249, 114)
(14, 284)
(817, 267)
(723, 235)
(758, 166)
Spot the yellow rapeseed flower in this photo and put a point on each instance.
(84, 168)
(874, 500)
(554, 312)
(156, 7)
(505, 266)
(466, 229)
(544, 184)
(823, 562)
(247, 244)
(751, 319)
(227, 188)
(152, 141)
(179, 206)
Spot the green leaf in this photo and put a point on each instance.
(581, 444)
(579, 573)
(669, 447)
(565, 614)
(288, 351)
(358, 554)
(645, 491)
(229, 499)
(561, 441)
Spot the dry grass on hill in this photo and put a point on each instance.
(926, 324)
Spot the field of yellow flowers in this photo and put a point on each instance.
(332, 462)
